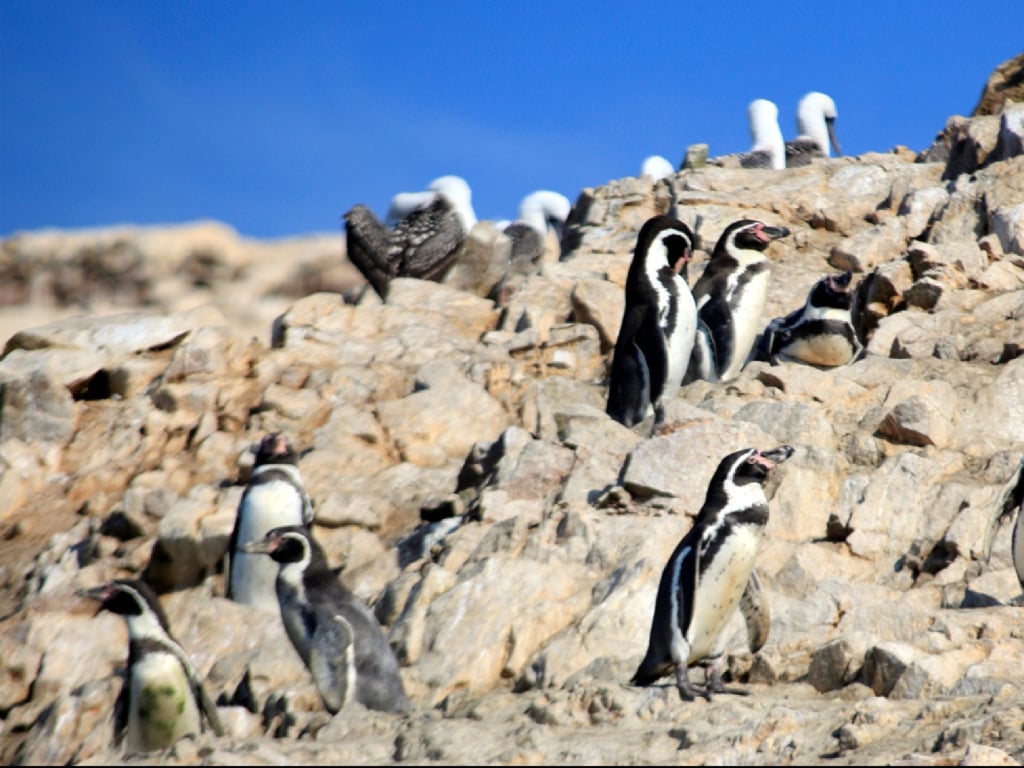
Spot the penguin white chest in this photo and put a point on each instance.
(720, 588)
(747, 305)
(265, 507)
(680, 340)
(162, 707)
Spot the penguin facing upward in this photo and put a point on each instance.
(162, 698)
(820, 333)
(275, 496)
(338, 637)
(710, 574)
(730, 296)
(658, 322)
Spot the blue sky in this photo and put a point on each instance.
(277, 117)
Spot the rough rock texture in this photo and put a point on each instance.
(508, 534)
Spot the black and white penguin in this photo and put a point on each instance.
(816, 130)
(423, 243)
(338, 637)
(658, 322)
(163, 698)
(710, 574)
(275, 496)
(730, 296)
(820, 333)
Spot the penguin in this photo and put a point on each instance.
(820, 333)
(710, 574)
(816, 129)
(163, 698)
(658, 322)
(338, 638)
(275, 496)
(730, 295)
(423, 244)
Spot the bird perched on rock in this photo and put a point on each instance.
(657, 167)
(820, 333)
(275, 496)
(816, 130)
(338, 637)
(536, 237)
(424, 241)
(710, 574)
(730, 296)
(767, 150)
(658, 322)
(163, 697)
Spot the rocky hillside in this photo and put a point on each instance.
(520, 611)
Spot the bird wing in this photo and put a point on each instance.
(637, 363)
(716, 317)
(332, 661)
(424, 244)
(367, 247)
(756, 613)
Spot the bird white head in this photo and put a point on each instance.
(657, 167)
(815, 117)
(765, 134)
(405, 203)
(458, 192)
(545, 208)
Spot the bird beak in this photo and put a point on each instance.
(774, 233)
(261, 547)
(830, 122)
(776, 455)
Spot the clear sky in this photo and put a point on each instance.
(277, 117)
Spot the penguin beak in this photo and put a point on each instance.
(768, 233)
(100, 593)
(841, 282)
(775, 456)
(261, 547)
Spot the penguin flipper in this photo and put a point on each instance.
(756, 613)
(332, 661)
(208, 708)
(716, 316)
(629, 390)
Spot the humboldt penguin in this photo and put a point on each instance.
(658, 321)
(819, 333)
(338, 637)
(275, 496)
(1013, 502)
(816, 130)
(710, 574)
(730, 296)
(163, 697)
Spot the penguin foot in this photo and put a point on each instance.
(687, 691)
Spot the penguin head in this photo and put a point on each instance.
(751, 465)
(274, 448)
(664, 242)
(747, 235)
(832, 291)
(130, 598)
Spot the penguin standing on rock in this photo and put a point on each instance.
(658, 322)
(730, 296)
(1013, 501)
(274, 497)
(820, 333)
(710, 574)
(163, 698)
(338, 637)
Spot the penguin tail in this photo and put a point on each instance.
(650, 672)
